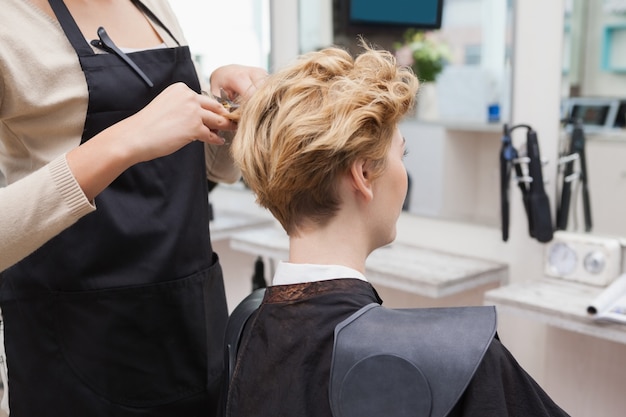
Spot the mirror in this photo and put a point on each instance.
(474, 44)
(594, 89)
(453, 139)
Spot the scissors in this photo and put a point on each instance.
(225, 101)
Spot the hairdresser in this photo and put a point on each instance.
(112, 298)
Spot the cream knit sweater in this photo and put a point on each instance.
(43, 103)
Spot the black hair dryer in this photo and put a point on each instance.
(529, 178)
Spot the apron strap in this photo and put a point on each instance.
(71, 29)
(154, 18)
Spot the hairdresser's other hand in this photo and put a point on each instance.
(237, 80)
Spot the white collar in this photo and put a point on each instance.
(290, 273)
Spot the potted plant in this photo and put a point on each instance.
(424, 52)
(427, 55)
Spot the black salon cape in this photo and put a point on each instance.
(284, 360)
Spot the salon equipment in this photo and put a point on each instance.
(106, 44)
(232, 338)
(596, 114)
(509, 160)
(610, 304)
(579, 257)
(258, 278)
(225, 101)
(406, 362)
(370, 376)
(529, 178)
(575, 153)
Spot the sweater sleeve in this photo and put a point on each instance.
(37, 208)
(219, 161)
(220, 166)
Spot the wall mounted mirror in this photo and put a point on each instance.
(594, 92)
(454, 137)
(473, 41)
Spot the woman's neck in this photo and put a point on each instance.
(336, 243)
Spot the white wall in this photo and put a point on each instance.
(284, 32)
(221, 33)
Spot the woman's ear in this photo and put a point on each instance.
(360, 179)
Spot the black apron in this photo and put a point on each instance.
(122, 314)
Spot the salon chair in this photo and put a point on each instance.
(234, 329)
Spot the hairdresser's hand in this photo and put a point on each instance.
(237, 80)
(173, 119)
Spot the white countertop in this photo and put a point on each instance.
(558, 303)
(227, 222)
(401, 266)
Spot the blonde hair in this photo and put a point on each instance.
(311, 120)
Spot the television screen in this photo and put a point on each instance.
(419, 14)
(591, 114)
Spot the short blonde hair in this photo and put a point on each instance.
(311, 120)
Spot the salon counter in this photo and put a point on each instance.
(234, 210)
(228, 222)
(404, 267)
(558, 303)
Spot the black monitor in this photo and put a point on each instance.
(596, 113)
(393, 14)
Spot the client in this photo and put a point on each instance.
(319, 145)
